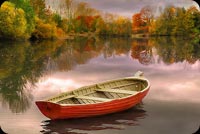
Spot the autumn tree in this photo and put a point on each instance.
(69, 9)
(48, 23)
(39, 7)
(184, 23)
(84, 9)
(116, 26)
(29, 15)
(138, 23)
(166, 21)
(147, 15)
(142, 20)
(13, 23)
(80, 25)
(180, 26)
(196, 19)
(49, 27)
(123, 26)
(44, 30)
(97, 24)
(100, 24)
(177, 21)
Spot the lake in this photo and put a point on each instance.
(31, 71)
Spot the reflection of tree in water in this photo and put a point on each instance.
(13, 78)
(21, 64)
(20, 67)
(84, 50)
(142, 50)
(116, 46)
(113, 121)
(80, 51)
(74, 53)
(196, 47)
(173, 50)
(170, 50)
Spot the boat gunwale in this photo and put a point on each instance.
(117, 99)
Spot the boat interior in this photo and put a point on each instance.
(102, 92)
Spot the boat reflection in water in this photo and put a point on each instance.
(117, 121)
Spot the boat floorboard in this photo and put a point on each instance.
(118, 91)
(93, 98)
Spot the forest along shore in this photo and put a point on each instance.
(34, 19)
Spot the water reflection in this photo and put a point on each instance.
(75, 53)
(82, 50)
(142, 51)
(20, 67)
(174, 50)
(116, 47)
(22, 64)
(116, 121)
(198, 131)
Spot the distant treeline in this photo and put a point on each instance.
(24, 19)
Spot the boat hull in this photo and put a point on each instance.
(56, 111)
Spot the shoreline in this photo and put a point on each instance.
(72, 36)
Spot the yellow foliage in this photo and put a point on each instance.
(12, 21)
(60, 32)
(173, 9)
(45, 30)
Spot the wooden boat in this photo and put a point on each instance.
(97, 99)
(1, 131)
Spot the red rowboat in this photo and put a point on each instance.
(97, 99)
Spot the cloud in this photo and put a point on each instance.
(128, 7)
(125, 7)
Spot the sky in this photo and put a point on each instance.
(128, 7)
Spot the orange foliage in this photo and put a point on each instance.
(139, 25)
(44, 30)
(142, 20)
(60, 32)
(142, 51)
(192, 9)
(88, 45)
(137, 20)
(88, 21)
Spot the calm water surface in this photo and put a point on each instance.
(34, 71)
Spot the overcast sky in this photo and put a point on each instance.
(128, 7)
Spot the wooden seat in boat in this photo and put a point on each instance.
(60, 98)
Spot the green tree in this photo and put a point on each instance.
(165, 22)
(180, 22)
(44, 30)
(38, 7)
(177, 21)
(196, 20)
(13, 22)
(29, 14)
